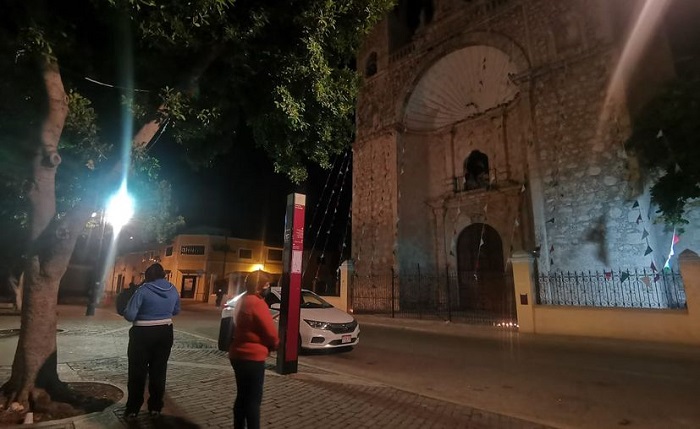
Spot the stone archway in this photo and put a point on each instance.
(462, 84)
(484, 285)
(467, 51)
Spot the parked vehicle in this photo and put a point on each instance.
(321, 326)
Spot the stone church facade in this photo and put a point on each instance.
(486, 127)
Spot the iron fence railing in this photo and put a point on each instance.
(478, 298)
(637, 288)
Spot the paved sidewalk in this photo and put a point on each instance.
(201, 387)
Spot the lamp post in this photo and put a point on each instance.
(119, 210)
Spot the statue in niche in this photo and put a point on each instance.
(476, 171)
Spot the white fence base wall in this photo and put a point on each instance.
(660, 325)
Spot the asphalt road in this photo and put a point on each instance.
(562, 382)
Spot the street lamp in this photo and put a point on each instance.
(119, 210)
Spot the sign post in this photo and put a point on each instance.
(287, 355)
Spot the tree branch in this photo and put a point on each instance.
(42, 193)
(151, 128)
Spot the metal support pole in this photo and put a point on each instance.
(420, 301)
(392, 293)
(449, 300)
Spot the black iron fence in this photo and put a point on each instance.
(623, 288)
(470, 297)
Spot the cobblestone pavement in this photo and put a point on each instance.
(201, 390)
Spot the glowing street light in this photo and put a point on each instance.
(120, 209)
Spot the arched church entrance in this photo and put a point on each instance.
(486, 292)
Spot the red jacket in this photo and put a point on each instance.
(255, 334)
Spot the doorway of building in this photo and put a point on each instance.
(485, 288)
(189, 285)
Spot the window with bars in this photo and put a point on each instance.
(274, 254)
(245, 254)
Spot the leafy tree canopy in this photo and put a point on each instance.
(666, 140)
(206, 71)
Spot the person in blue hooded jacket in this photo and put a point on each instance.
(151, 309)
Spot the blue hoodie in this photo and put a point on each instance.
(156, 300)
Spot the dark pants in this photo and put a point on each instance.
(249, 386)
(149, 350)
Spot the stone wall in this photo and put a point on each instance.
(562, 137)
(374, 204)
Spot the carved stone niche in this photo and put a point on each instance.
(566, 32)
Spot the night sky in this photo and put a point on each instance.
(243, 195)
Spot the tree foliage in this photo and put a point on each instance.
(666, 140)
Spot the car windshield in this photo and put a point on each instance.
(311, 300)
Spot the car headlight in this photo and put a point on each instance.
(316, 324)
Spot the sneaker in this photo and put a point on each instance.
(154, 414)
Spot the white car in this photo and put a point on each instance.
(321, 326)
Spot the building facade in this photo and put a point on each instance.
(486, 127)
(195, 263)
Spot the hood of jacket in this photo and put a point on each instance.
(160, 287)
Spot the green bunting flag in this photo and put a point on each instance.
(645, 234)
(624, 276)
(635, 205)
(648, 251)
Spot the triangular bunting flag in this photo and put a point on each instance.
(481, 243)
(624, 276)
(678, 168)
(551, 248)
(522, 189)
(639, 219)
(648, 251)
(645, 234)
(659, 134)
(656, 278)
(608, 275)
(653, 266)
(646, 280)
(551, 261)
(550, 220)
(635, 205)
(676, 239)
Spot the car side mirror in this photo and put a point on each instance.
(276, 306)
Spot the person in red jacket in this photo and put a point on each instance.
(254, 337)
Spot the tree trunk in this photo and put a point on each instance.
(34, 366)
(34, 378)
(16, 283)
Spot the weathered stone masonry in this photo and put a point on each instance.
(557, 165)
